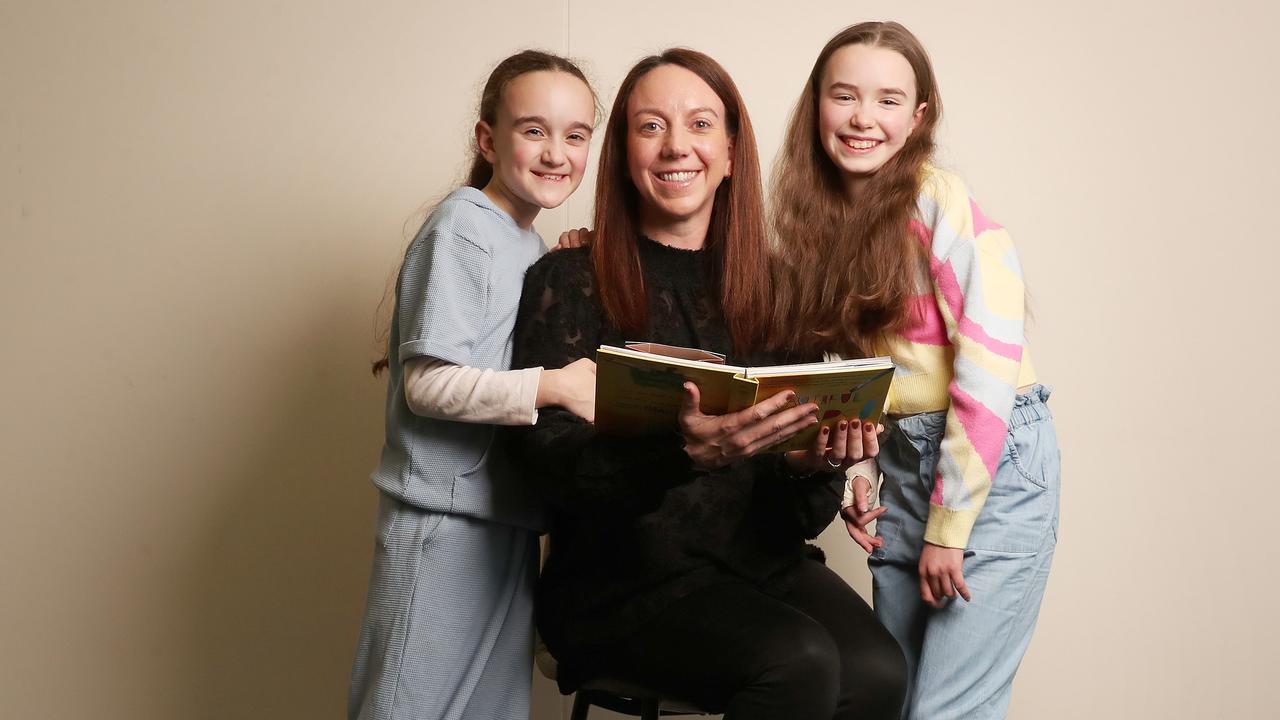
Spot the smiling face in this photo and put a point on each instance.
(867, 109)
(538, 144)
(678, 151)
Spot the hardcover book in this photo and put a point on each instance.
(640, 388)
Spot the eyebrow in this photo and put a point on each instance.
(695, 111)
(851, 86)
(539, 120)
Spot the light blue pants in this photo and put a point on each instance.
(448, 629)
(961, 659)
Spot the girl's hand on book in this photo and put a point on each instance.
(572, 387)
(853, 442)
(716, 440)
(837, 449)
(942, 574)
(860, 514)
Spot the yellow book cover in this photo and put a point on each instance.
(639, 388)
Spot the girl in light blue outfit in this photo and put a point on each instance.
(448, 628)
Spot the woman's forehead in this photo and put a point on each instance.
(671, 89)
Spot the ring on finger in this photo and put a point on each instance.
(834, 464)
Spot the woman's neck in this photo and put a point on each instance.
(686, 233)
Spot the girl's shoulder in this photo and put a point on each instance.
(942, 189)
(951, 216)
(470, 216)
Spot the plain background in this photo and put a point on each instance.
(203, 204)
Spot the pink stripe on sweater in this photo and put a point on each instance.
(926, 326)
(922, 231)
(945, 278)
(975, 332)
(981, 223)
(984, 429)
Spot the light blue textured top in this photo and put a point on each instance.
(456, 300)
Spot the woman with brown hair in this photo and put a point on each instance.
(679, 561)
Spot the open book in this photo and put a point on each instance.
(639, 388)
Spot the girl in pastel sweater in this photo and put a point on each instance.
(448, 628)
(887, 255)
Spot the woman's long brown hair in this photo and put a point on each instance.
(480, 171)
(736, 240)
(849, 268)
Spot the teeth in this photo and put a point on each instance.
(861, 144)
(677, 176)
(548, 176)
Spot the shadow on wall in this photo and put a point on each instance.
(274, 591)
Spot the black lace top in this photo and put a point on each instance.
(634, 525)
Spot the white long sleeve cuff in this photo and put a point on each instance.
(438, 389)
(868, 469)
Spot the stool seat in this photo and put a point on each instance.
(629, 698)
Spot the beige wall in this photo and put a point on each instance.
(202, 203)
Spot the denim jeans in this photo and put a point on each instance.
(961, 658)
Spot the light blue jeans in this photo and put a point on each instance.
(961, 659)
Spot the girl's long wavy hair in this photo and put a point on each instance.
(480, 171)
(736, 238)
(849, 269)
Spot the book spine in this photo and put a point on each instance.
(742, 393)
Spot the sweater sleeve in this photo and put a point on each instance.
(438, 389)
(978, 286)
(442, 296)
(574, 469)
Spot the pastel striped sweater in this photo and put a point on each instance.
(964, 352)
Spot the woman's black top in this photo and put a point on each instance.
(634, 525)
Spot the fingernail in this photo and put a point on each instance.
(825, 430)
(843, 425)
(856, 423)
